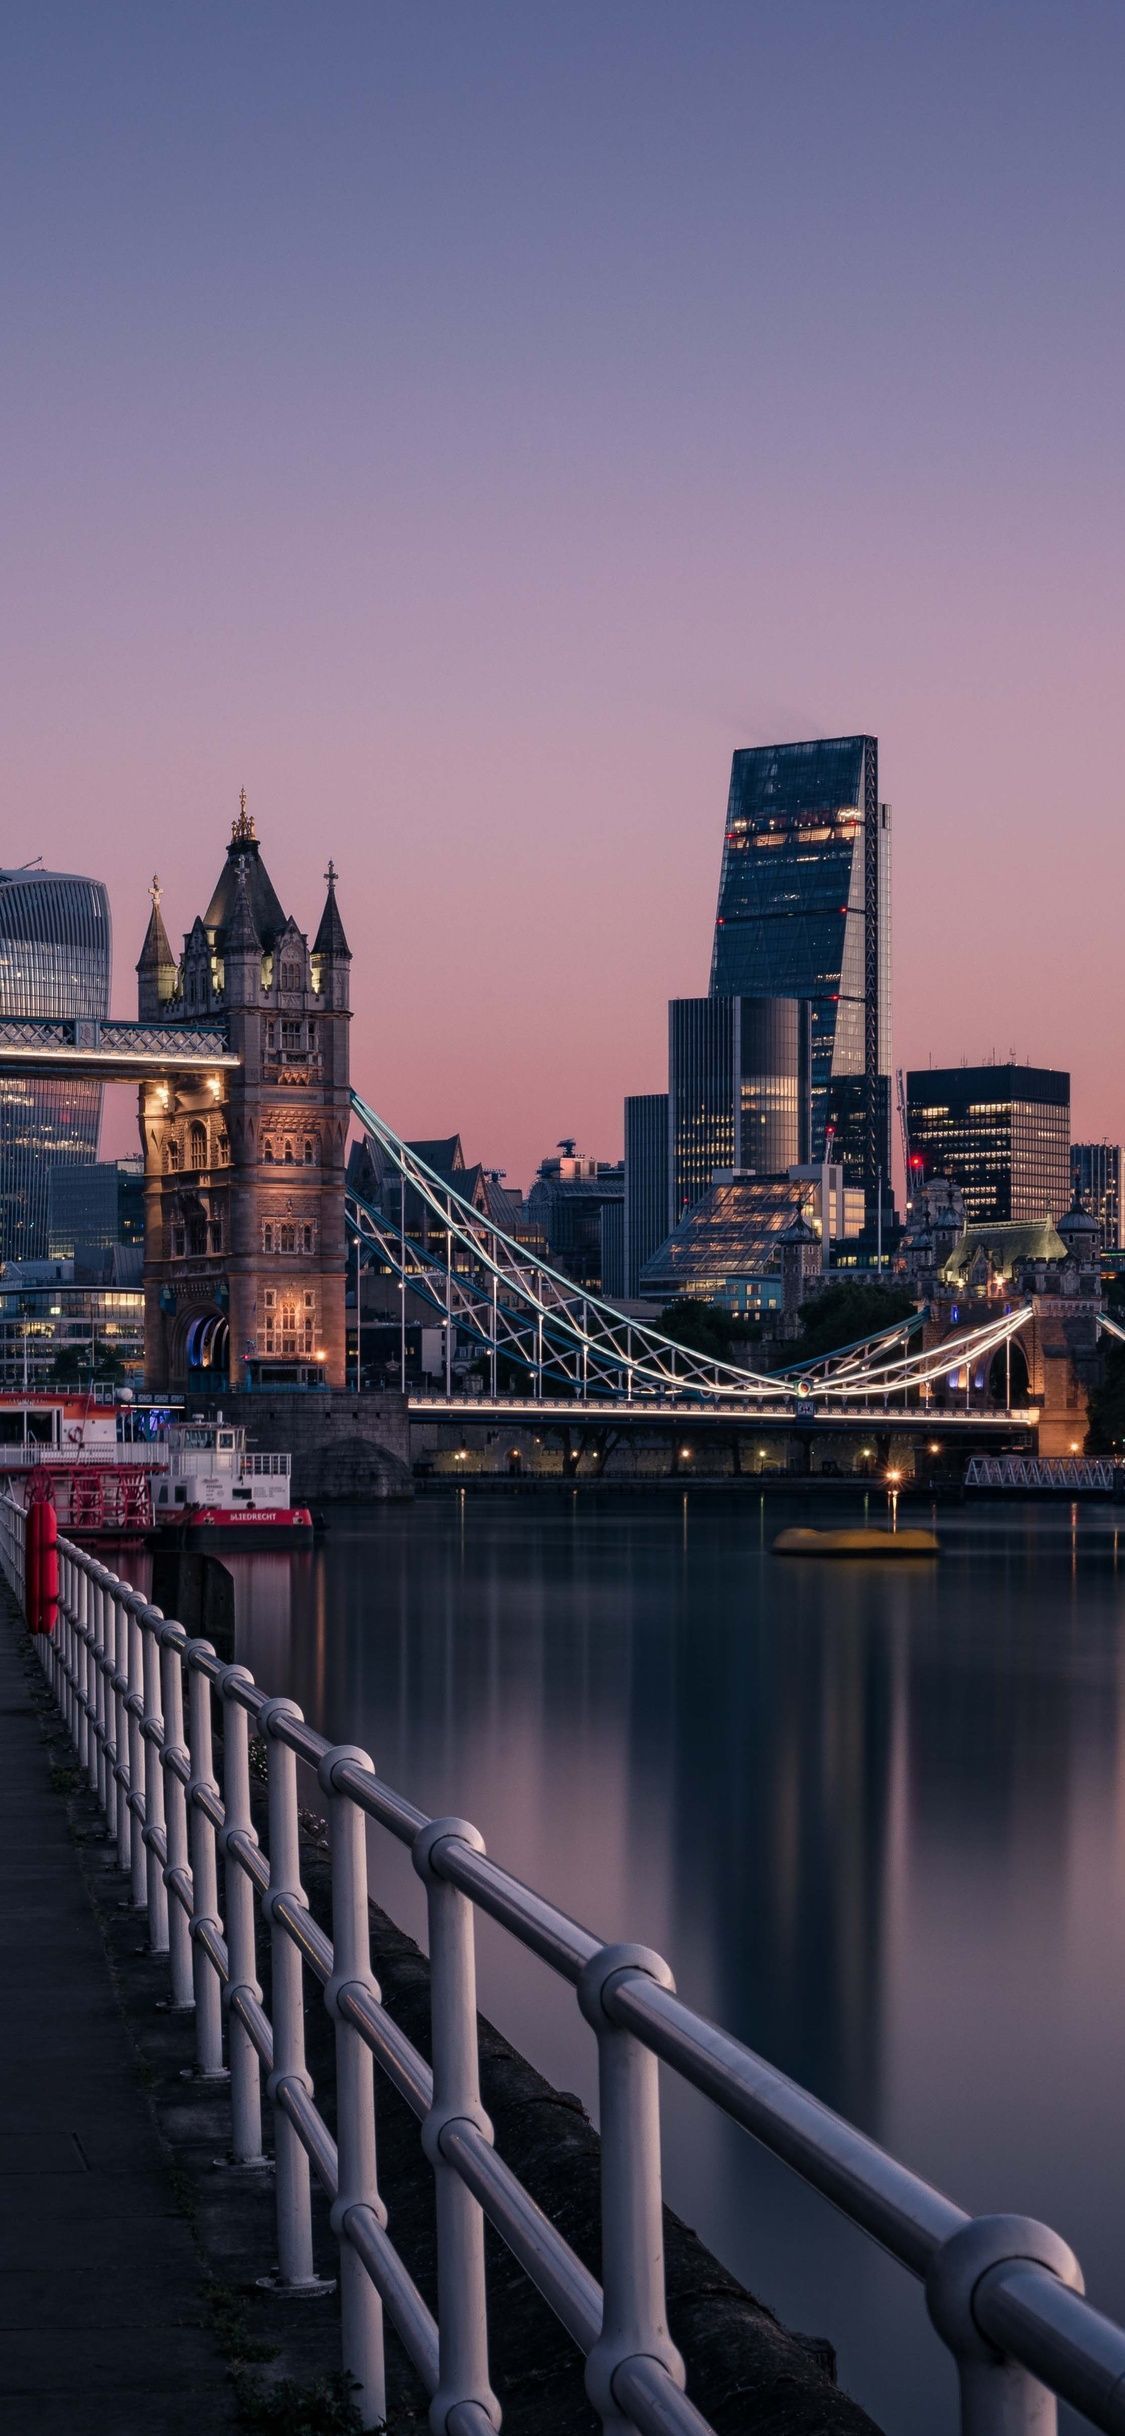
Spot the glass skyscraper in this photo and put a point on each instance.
(1097, 1173)
(738, 1091)
(54, 963)
(804, 912)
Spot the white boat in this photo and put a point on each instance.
(214, 1491)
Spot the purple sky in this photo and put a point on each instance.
(463, 425)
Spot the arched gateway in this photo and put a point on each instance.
(245, 1249)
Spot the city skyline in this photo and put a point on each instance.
(472, 514)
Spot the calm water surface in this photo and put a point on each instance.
(875, 1819)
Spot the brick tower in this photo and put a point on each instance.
(244, 1171)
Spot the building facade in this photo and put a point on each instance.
(55, 955)
(245, 1249)
(739, 1091)
(1000, 1133)
(94, 1206)
(564, 1212)
(1095, 1175)
(646, 1182)
(805, 911)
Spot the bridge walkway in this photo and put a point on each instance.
(101, 2309)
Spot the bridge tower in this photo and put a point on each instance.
(245, 1249)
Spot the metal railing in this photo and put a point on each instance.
(139, 1699)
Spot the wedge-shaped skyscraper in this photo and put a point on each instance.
(804, 912)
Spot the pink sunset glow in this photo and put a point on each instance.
(464, 427)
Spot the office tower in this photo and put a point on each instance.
(646, 1181)
(1095, 1175)
(54, 964)
(805, 911)
(612, 1225)
(94, 1207)
(1002, 1133)
(739, 1075)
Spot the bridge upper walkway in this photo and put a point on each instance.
(110, 1052)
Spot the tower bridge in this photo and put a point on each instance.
(240, 1052)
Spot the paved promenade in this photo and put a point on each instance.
(103, 2329)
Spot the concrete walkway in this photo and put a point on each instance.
(103, 2330)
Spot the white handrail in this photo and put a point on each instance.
(1004, 2293)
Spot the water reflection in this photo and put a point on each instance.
(875, 1816)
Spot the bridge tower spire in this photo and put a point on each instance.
(156, 965)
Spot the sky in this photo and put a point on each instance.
(463, 425)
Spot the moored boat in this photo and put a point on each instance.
(214, 1492)
(862, 1540)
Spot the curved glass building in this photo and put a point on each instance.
(55, 952)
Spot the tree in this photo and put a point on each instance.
(75, 1365)
(843, 1314)
(706, 1328)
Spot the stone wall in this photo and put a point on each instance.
(342, 1445)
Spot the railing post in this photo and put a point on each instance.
(136, 1707)
(998, 2396)
(361, 2309)
(245, 2071)
(152, 1736)
(96, 1616)
(634, 2320)
(118, 1625)
(294, 2209)
(462, 2308)
(84, 1674)
(173, 1755)
(204, 1874)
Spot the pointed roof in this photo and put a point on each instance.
(240, 931)
(266, 911)
(156, 954)
(330, 939)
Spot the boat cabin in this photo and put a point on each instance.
(208, 1465)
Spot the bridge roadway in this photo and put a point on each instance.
(652, 1411)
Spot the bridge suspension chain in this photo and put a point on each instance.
(516, 1307)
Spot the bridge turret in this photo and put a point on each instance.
(245, 1253)
(157, 972)
(241, 948)
(331, 955)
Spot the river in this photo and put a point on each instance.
(874, 1817)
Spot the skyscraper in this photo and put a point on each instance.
(1096, 1176)
(54, 963)
(1002, 1133)
(804, 912)
(646, 1181)
(738, 1090)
